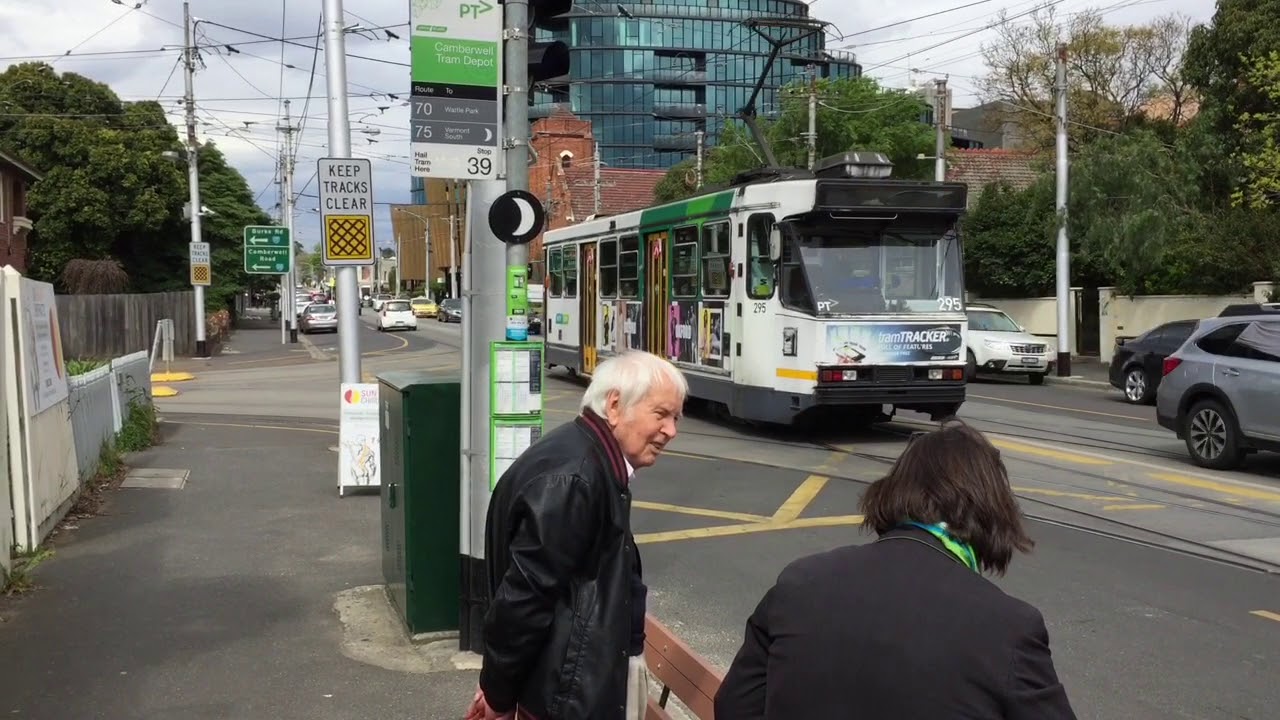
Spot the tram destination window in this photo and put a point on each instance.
(555, 263)
(760, 271)
(629, 267)
(715, 260)
(684, 263)
(608, 268)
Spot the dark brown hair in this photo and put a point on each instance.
(952, 475)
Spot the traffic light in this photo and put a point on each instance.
(549, 61)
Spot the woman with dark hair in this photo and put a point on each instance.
(906, 627)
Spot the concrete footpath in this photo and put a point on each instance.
(227, 581)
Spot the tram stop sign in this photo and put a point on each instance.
(516, 217)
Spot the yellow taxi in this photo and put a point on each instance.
(424, 307)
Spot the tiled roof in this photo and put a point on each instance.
(981, 167)
(620, 190)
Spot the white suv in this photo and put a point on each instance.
(997, 344)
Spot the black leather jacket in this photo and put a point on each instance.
(562, 564)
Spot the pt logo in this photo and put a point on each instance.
(474, 9)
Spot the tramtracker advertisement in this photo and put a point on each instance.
(887, 343)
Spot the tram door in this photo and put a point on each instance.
(589, 307)
(655, 294)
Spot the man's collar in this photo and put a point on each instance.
(631, 472)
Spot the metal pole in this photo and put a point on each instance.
(335, 63)
(940, 125)
(292, 275)
(596, 177)
(1064, 247)
(813, 116)
(193, 171)
(426, 259)
(516, 126)
(454, 280)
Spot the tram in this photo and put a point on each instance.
(789, 295)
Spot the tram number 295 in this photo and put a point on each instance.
(479, 166)
(949, 304)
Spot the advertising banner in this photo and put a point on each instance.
(360, 437)
(887, 343)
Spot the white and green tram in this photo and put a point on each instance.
(791, 295)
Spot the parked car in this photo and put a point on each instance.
(1220, 390)
(397, 315)
(450, 310)
(998, 344)
(377, 301)
(1137, 365)
(318, 317)
(424, 307)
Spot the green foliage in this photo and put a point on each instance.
(21, 578)
(141, 427)
(1259, 135)
(853, 114)
(109, 192)
(1009, 240)
(1218, 57)
(80, 366)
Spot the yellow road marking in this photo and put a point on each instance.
(1063, 494)
(800, 499)
(791, 374)
(1214, 485)
(1049, 453)
(1266, 614)
(1133, 507)
(700, 512)
(746, 529)
(1058, 407)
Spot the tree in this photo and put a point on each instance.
(1259, 135)
(225, 191)
(853, 114)
(1218, 56)
(1113, 74)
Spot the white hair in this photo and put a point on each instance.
(633, 375)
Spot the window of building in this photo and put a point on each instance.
(684, 263)
(608, 268)
(555, 263)
(761, 274)
(715, 260)
(571, 272)
(629, 267)
(566, 159)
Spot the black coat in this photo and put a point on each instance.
(894, 630)
(562, 569)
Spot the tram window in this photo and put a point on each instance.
(571, 271)
(795, 288)
(608, 268)
(554, 261)
(684, 263)
(715, 260)
(761, 274)
(629, 267)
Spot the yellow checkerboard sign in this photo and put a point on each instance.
(348, 237)
(200, 274)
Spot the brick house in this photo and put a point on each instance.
(564, 178)
(15, 180)
(982, 167)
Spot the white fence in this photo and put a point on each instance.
(51, 427)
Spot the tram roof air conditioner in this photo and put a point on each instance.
(855, 164)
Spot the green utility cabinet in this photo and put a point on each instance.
(421, 447)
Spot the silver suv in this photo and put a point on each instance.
(1221, 389)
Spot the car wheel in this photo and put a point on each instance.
(970, 367)
(1036, 378)
(1136, 388)
(1212, 437)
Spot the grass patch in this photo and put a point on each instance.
(140, 429)
(21, 578)
(80, 366)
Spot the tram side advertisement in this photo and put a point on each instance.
(888, 343)
(456, 72)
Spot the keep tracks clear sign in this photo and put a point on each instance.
(455, 118)
(346, 210)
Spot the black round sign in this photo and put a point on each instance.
(516, 217)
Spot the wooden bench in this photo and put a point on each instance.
(680, 671)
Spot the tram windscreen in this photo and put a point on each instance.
(855, 267)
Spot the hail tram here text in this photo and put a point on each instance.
(346, 189)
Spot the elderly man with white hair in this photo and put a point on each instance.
(564, 634)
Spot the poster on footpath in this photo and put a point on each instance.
(44, 371)
(359, 437)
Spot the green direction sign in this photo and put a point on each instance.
(267, 250)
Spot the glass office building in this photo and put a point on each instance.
(650, 74)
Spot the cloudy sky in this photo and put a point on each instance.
(240, 88)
